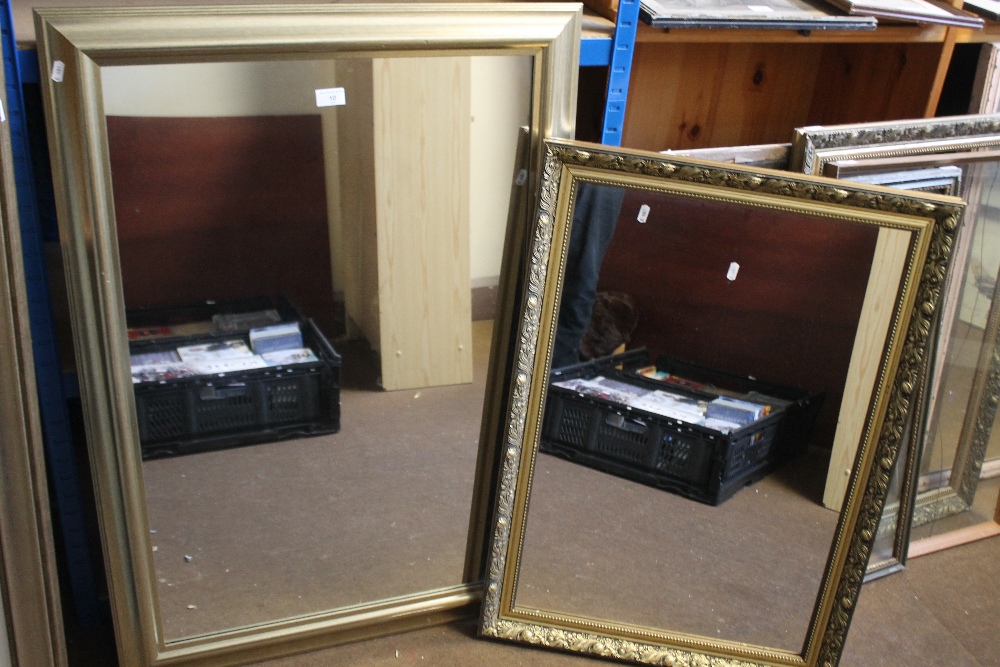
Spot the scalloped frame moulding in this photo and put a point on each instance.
(82, 41)
(929, 223)
(824, 150)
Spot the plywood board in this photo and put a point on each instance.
(421, 147)
(869, 343)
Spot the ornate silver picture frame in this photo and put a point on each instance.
(945, 488)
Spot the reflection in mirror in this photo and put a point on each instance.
(786, 295)
(260, 229)
(957, 420)
(673, 504)
(889, 550)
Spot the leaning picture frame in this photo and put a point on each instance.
(712, 192)
(909, 147)
(29, 581)
(890, 551)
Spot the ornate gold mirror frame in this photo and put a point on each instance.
(841, 151)
(926, 225)
(74, 46)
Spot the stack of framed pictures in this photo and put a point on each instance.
(803, 15)
(946, 492)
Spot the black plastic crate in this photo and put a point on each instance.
(207, 412)
(692, 460)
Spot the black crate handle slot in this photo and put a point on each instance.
(213, 393)
(618, 421)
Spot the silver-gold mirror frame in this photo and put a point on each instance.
(929, 223)
(29, 587)
(74, 44)
(839, 150)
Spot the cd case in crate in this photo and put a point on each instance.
(216, 375)
(699, 432)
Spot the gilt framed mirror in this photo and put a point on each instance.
(958, 442)
(663, 505)
(289, 262)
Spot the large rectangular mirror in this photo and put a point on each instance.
(292, 269)
(648, 506)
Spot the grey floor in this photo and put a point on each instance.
(944, 609)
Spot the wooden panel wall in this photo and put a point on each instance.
(789, 317)
(871, 82)
(684, 96)
(699, 95)
(222, 208)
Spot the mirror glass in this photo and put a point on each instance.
(959, 477)
(706, 334)
(310, 248)
(786, 294)
(951, 459)
(889, 551)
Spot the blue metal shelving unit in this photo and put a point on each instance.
(615, 53)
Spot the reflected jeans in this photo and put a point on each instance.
(595, 215)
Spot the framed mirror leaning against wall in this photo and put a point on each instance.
(290, 262)
(690, 500)
(889, 552)
(953, 473)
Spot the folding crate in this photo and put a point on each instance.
(179, 413)
(666, 449)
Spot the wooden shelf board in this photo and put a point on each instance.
(954, 538)
(990, 33)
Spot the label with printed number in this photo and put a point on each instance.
(330, 97)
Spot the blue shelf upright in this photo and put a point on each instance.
(622, 49)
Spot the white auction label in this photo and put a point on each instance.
(3, 114)
(760, 8)
(643, 213)
(58, 67)
(734, 268)
(330, 97)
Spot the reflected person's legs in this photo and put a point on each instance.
(595, 215)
